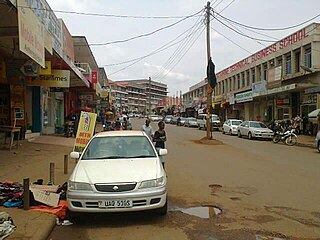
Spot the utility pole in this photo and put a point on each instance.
(209, 89)
(149, 95)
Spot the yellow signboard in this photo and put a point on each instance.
(85, 131)
(59, 78)
(31, 33)
(104, 93)
(46, 70)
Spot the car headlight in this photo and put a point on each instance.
(153, 183)
(79, 186)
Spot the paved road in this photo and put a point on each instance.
(262, 189)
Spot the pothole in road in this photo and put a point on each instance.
(206, 212)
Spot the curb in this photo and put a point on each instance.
(305, 145)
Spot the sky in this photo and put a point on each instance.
(183, 64)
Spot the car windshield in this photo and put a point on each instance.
(117, 147)
(215, 118)
(257, 125)
(237, 123)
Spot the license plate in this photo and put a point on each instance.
(115, 204)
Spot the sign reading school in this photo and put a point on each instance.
(85, 131)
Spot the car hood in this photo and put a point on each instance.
(261, 129)
(119, 170)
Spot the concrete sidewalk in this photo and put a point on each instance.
(306, 141)
(32, 161)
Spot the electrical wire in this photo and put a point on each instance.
(103, 15)
(162, 48)
(217, 4)
(181, 47)
(152, 53)
(227, 6)
(245, 35)
(139, 59)
(146, 34)
(182, 55)
(231, 40)
(268, 29)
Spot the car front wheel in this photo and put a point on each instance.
(319, 146)
(163, 210)
(250, 136)
(239, 134)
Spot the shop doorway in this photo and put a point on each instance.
(283, 113)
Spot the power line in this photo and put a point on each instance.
(139, 59)
(152, 53)
(218, 4)
(146, 34)
(181, 47)
(245, 35)
(162, 48)
(268, 29)
(232, 41)
(227, 6)
(103, 15)
(183, 55)
(276, 39)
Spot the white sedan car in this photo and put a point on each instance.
(254, 129)
(231, 126)
(119, 171)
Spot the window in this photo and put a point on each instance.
(238, 83)
(288, 65)
(265, 74)
(253, 76)
(297, 60)
(248, 78)
(243, 80)
(308, 58)
(222, 86)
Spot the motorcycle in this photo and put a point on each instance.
(289, 137)
(69, 129)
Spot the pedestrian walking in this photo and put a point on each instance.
(305, 124)
(147, 129)
(124, 124)
(159, 138)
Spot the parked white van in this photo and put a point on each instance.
(214, 119)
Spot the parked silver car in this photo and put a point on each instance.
(191, 122)
(254, 129)
(317, 141)
(231, 126)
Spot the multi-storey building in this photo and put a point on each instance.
(145, 94)
(118, 96)
(278, 82)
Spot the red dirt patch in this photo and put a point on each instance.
(207, 141)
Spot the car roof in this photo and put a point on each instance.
(120, 133)
(233, 119)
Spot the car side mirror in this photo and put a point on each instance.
(75, 155)
(163, 152)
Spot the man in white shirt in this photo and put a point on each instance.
(148, 129)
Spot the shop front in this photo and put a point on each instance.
(245, 105)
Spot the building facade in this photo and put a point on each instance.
(144, 95)
(278, 82)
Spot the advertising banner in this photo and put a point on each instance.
(94, 77)
(259, 87)
(230, 97)
(46, 70)
(67, 42)
(59, 78)
(50, 21)
(244, 97)
(31, 34)
(87, 123)
(48, 41)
